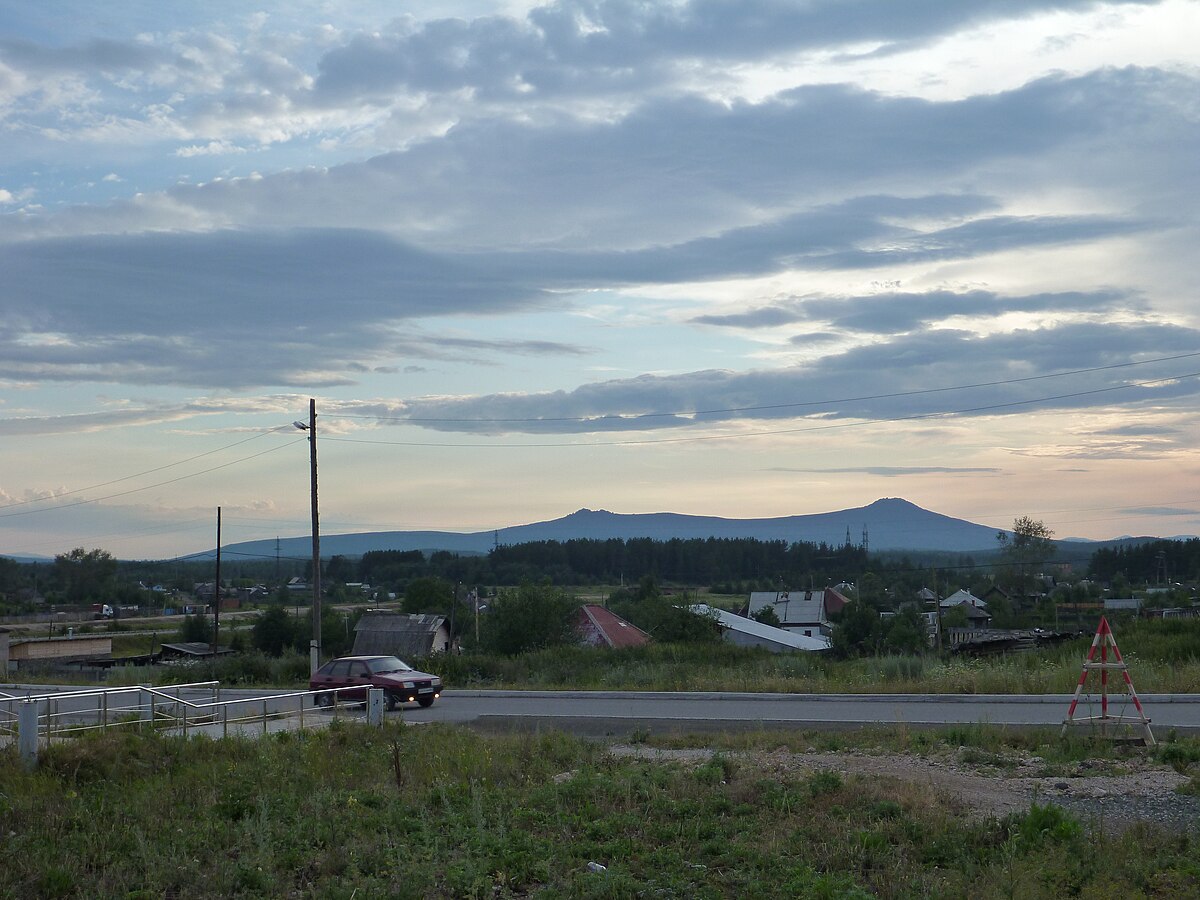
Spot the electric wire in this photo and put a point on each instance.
(161, 468)
(807, 403)
(147, 487)
(762, 433)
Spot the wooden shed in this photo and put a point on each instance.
(385, 633)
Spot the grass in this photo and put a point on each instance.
(443, 812)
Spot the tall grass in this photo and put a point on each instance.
(442, 812)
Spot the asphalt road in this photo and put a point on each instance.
(621, 712)
(614, 712)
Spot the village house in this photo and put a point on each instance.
(803, 612)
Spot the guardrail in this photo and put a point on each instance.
(46, 717)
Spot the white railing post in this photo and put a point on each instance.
(27, 736)
(374, 706)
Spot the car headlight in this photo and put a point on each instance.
(409, 685)
(437, 682)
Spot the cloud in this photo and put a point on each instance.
(611, 46)
(239, 309)
(697, 176)
(896, 312)
(94, 56)
(929, 373)
(900, 471)
(1158, 511)
(212, 148)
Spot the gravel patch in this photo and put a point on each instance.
(1123, 794)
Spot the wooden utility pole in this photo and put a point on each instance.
(217, 595)
(315, 647)
(937, 604)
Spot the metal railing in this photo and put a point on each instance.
(66, 713)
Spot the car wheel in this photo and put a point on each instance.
(425, 701)
(392, 700)
(324, 700)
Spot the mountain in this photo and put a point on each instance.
(27, 558)
(888, 525)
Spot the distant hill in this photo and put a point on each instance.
(889, 525)
(27, 558)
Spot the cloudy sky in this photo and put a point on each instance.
(724, 257)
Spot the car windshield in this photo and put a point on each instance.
(387, 664)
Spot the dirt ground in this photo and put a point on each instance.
(1103, 794)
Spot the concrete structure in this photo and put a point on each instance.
(749, 633)
(598, 627)
(384, 633)
(28, 652)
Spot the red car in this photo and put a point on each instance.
(400, 682)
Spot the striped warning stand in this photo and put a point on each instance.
(1104, 641)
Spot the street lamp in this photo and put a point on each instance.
(314, 647)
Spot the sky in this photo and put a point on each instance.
(742, 258)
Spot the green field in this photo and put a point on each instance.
(433, 811)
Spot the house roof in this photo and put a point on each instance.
(835, 601)
(759, 630)
(792, 607)
(600, 626)
(958, 598)
(385, 633)
(195, 648)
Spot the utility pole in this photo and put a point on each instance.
(314, 647)
(937, 604)
(217, 595)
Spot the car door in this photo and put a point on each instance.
(358, 675)
(332, 675)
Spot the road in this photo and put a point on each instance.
(621, 712)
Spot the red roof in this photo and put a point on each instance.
(835, 601)
(601, 628)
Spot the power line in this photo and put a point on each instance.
(742, 409)
(727, 437)
(146, 487)
(103, 484)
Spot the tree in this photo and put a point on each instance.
(767, 616)
(428, 595)
(531, 617)
(274, 631)
(197, 629)
(856, 631)
(1030, 545)
(338, 570)
(907, 632)
(86, 575)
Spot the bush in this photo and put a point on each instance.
(274, 630)
(532, 617)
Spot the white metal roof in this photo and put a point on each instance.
(759, 630)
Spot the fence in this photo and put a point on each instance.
(33, 720)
